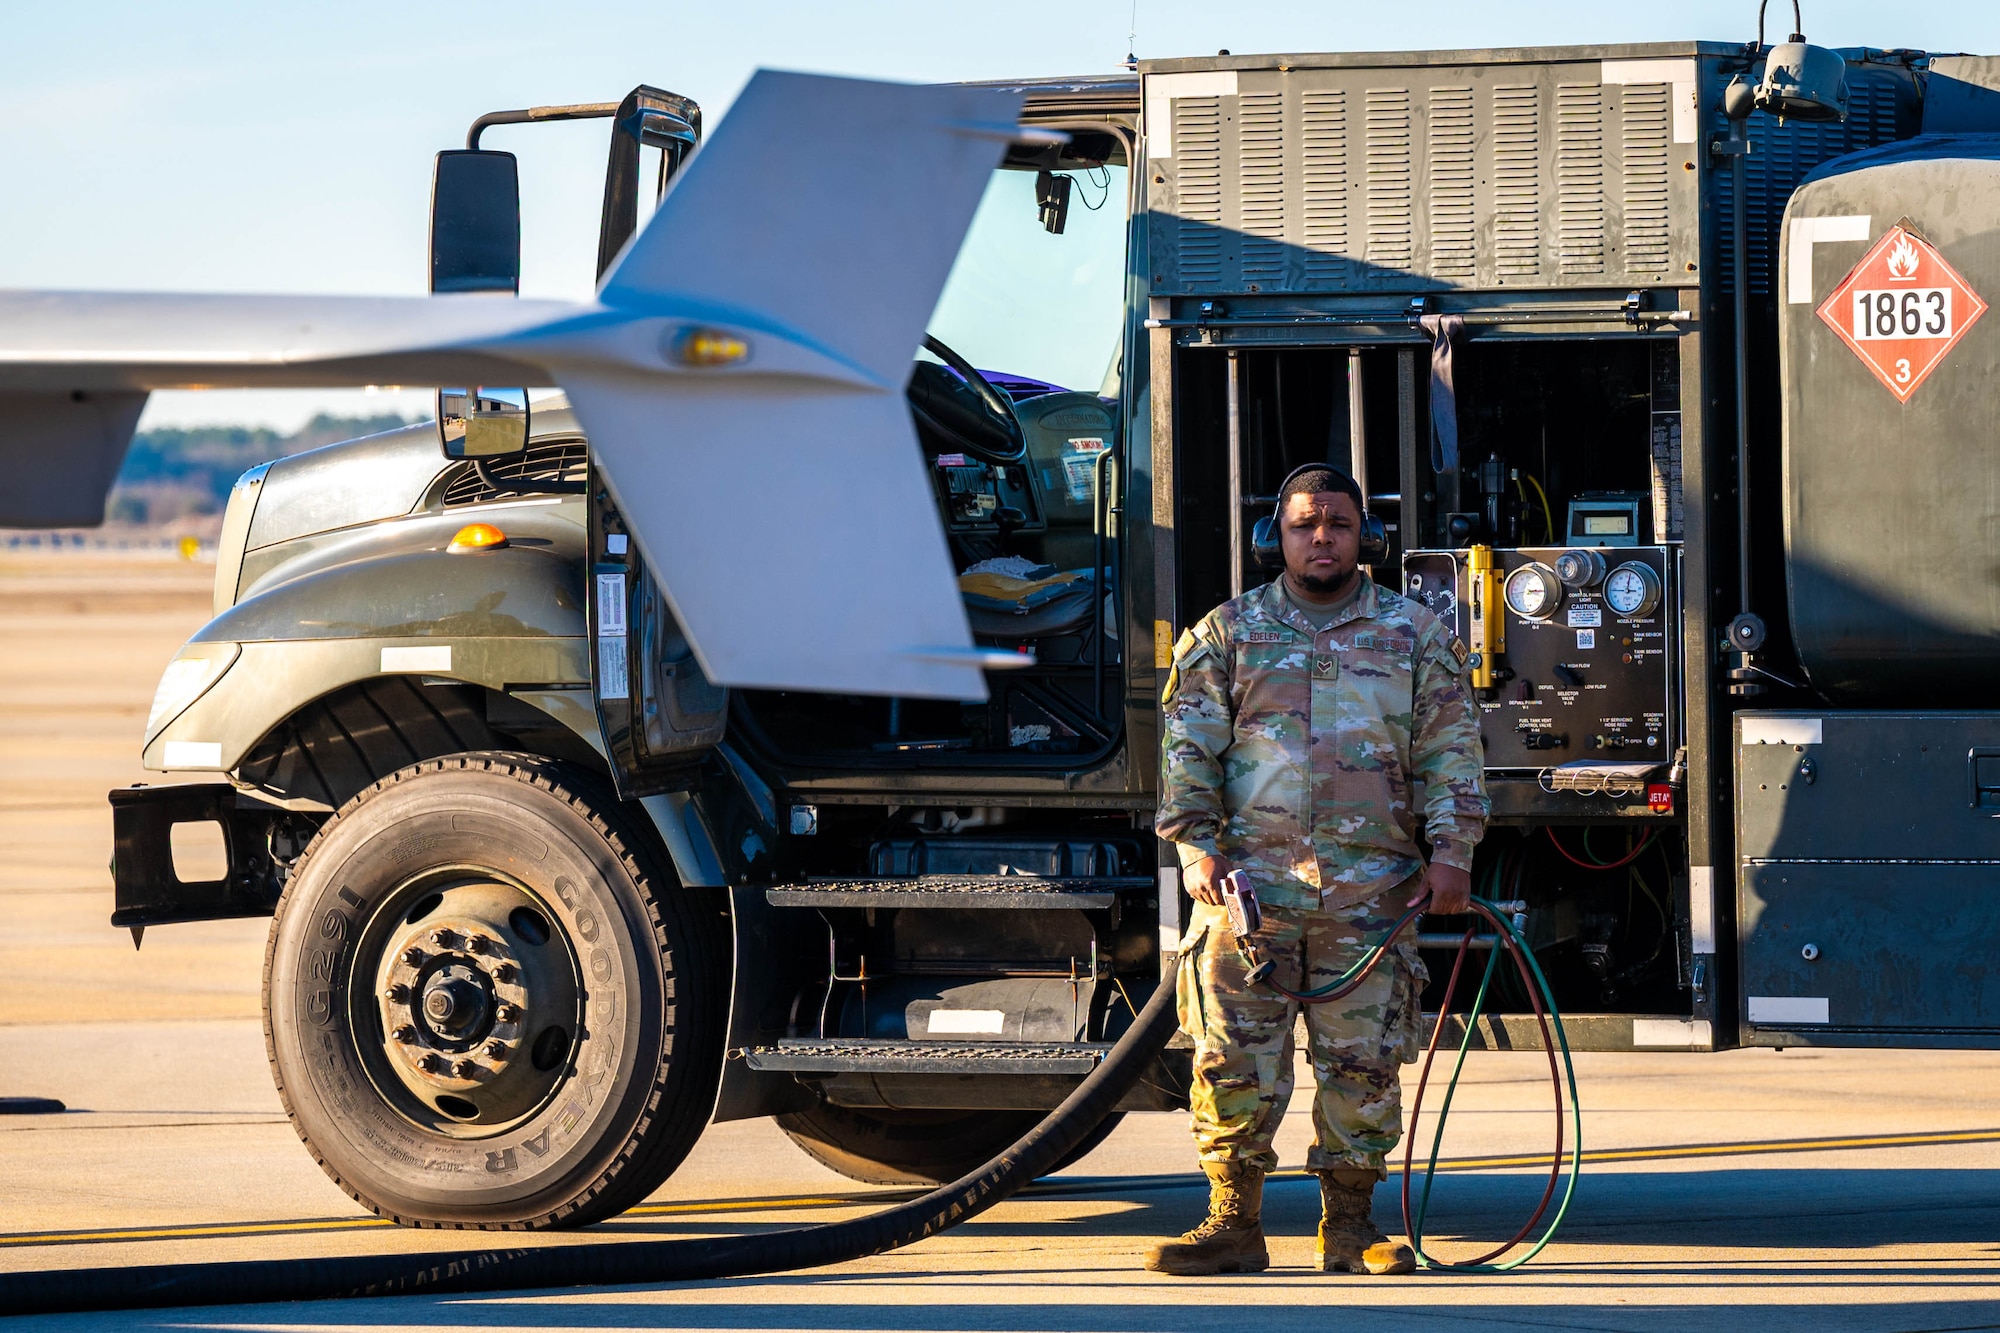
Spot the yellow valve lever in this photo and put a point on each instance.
(1489, 620)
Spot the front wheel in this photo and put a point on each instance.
(485, 1007)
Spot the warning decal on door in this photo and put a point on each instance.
(1901, 309)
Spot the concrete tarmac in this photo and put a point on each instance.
(1810, 1190)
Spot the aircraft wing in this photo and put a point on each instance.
(75, 369)
(781, 500)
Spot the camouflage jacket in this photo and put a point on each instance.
(1292, 751)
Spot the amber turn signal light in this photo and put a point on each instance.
(477, 537)
(710, 347)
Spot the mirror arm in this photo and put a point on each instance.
(647, 116)
(527, 115)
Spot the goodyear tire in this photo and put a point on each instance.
(486, 1004)
(915, 1147)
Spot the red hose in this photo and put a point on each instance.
(1576, 860)
(1504, 941)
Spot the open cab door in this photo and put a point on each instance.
(657, 710)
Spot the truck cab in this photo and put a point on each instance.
(547, 899)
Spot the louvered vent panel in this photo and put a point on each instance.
(1198, 158)
(1646, 133)
(1390, 229)
(1323, 122)
(1530, 175)
(1580, 178)
(1260, 129)
(1449, 137)
(544, 460)
(1776, 159)
(1517, 181)
(1723, 183)
(1874, 120)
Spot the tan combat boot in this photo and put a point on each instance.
(1232, 1239)
(1349, 1240)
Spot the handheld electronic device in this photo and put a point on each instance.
(1239, 899)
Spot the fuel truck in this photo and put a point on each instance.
(1664, 366)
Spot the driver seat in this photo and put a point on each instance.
(1014, 599)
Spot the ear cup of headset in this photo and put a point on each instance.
(1374, 541)
(1265, 544)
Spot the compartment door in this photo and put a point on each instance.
(1850, 946)
(1868, 890)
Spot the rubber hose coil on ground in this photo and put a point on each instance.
(621, 1263)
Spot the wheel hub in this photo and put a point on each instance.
(458, 1003)
(478, 996)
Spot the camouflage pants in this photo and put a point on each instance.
(1244, 1044)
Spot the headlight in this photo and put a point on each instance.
(199, 666)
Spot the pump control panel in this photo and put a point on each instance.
(1575, 647)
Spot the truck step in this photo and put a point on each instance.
(811, 1056)
(975, 891)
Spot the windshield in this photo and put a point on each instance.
(1024, 301)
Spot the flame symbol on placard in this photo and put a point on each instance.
(1903, 259)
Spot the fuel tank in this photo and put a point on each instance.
(1891, 367)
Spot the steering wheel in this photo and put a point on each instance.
(964, 410)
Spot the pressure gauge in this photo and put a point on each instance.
(1579, 569)
(1632, 590)
(1534, 592)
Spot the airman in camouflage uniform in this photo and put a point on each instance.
(1290, 749)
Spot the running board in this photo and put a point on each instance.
(807, 1056)
(963, 891)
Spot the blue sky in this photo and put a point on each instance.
(287, 147)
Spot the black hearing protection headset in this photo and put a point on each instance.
(1268, 547)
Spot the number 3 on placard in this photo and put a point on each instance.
(1902, 370)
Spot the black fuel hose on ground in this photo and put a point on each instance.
(605, 1263)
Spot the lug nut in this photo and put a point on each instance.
(414, 956)
(397, 994)
(497, 1049)
(404, 1033)
(479, 944)
(506, 973)
(465, 1069)
(430, 1064)
(442, 938)
(508, 1013)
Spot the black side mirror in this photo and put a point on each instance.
(476, 247)
(476, 222)
(1052, 199)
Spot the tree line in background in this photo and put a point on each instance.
(181, 476)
